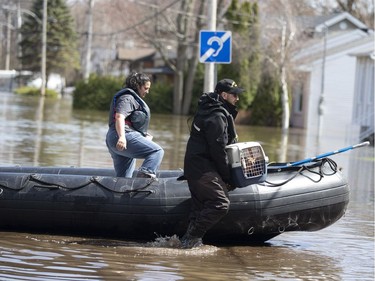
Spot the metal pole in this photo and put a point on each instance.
(209, 74)
(321, 98)
(89, 42)
(7, 55)
(19, 35)
(44, 49)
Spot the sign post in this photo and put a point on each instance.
(209, 68)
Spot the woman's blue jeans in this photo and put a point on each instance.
(137, 146)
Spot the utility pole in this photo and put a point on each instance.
(209, 71)
(7, 55)
(19, 35)
(89, 42)
(44, 49)
(322, 83)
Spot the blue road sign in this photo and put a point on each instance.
(215, 46)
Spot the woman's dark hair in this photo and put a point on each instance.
(135, 80)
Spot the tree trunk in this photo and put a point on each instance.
(283, 81)
(189, 83)
(177, 91)
(183, 27)
(284, 99)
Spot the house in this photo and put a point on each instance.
(7, 80)
(136, 58)
(333, 93)
(146, 60)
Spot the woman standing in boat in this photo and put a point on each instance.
(206, 162)
(127, 138)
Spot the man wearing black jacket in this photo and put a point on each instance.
(206, 161)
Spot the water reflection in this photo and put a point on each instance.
(39, 119)
(48, 133)
(53, 257)
(59, 136)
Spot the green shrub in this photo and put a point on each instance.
(33, 91)
(97, 93)
(266, 108)
(160, 98)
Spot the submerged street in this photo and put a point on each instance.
(50, 133)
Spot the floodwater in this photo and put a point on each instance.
(44, 132)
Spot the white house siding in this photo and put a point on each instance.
(300, 94)
(338, 96)
(363, 112)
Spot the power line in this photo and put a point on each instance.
(160, 12)
(138, 23)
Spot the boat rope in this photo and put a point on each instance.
(325, 161)
(5, 186)
(93, 180)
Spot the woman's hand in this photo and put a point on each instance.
(121, 143)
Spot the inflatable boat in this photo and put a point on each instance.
(93, 202)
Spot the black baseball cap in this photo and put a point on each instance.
(228, 86)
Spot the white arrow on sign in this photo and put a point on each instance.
(220, 41)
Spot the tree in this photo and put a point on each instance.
(182, 32)
(242, 19)
(183, 35)
(361, 9)
(266, 108)
(280, 33)
(191, 77)
(62, 54)
(183, 28)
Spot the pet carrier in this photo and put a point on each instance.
(248, 163)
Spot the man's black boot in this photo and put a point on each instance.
(189, 240)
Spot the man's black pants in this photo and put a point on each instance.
(210, 202)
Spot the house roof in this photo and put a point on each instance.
(318, 23)
(335, 19)
(134, 54)
(337, 43)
